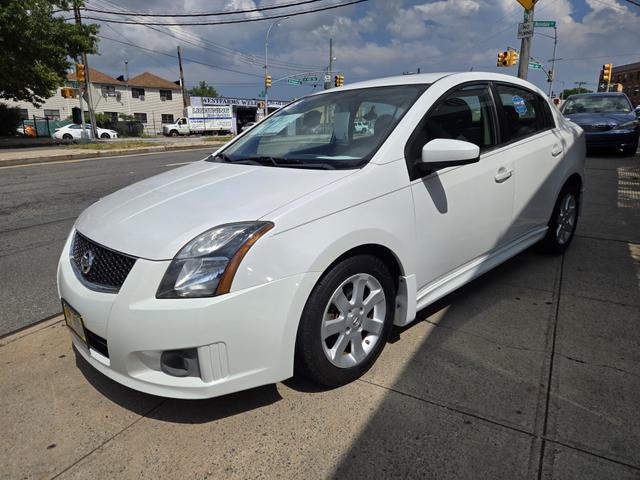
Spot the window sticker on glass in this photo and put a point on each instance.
(519, 104)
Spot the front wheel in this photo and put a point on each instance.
(563, 222)
(345, 322)
(174, 133)
(105, 135)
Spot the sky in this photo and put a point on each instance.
(376, 38)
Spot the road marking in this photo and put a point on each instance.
(180, 163)
(78, 160)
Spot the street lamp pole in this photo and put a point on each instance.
(266, 63)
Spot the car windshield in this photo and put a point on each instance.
(596, 104)
(320, 131)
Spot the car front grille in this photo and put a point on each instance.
(98, 267)
(597, 128)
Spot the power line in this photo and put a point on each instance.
(204, 14)
(175, 56)
(221, 49)
(229, 22)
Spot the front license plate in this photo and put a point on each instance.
(74, 321)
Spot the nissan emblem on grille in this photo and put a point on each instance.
(86, 262)
(99, 268)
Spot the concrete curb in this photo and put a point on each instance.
(106, 153)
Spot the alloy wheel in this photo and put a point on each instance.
(566, 220)
(353, 320)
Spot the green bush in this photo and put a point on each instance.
(10, 119)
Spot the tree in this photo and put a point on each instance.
(38, 47)
(573, 91)
(202, 90)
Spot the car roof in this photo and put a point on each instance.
(429, 78)
(598, 94)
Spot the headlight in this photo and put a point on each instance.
(205, 266)
(626, 125)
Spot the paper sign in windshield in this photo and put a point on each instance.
(519, 105)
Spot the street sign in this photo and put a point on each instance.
(261, 94)
(327, 78)
(293, 81)
(544, 23)
(535, 66)
(525, 30)
(310, 79)
(527, 4)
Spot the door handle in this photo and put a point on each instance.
(556, 150)
(503, 175)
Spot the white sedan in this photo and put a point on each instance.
(74, 132)
(295, 250)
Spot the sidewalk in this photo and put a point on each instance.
(25, 156)
(531, 369)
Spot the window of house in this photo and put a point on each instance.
(140, 117)
(137, 92)
(522, 112)
(108, 91)
(166, 94)
(167, 118)
(24, 113)
(52, 114)
(113, 116)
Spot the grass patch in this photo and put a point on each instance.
(215, 138)
(114, 145)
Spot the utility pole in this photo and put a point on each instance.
(92, 116)
(525, 48)
(126, 86)
(552, 75)
(579, 84)
(184, 96)
(327, 83)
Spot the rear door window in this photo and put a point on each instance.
(522, 113)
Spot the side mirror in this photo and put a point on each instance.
(444, 152)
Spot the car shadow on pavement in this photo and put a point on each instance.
(176, 410)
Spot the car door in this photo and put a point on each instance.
(461, 212)
(530, 137)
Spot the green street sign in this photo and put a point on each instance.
(544, 23)
(261, 94)
(535, 66)
(293, 81)
(310, 79)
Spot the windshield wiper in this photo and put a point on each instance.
(222, 156)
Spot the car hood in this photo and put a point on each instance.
(156, 217)
(600, 118)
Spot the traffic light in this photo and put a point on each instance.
(80, 77)
(606, 72)
(68, 92)
(512, 57)
(267, 81)
(339, 80)
(503, 59)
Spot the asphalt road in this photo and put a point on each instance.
(38, 206)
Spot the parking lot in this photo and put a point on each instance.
(531, 371)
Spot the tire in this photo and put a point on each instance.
(563, 222)
(105, 135)
(67, 136)
(174, 133)
(322, 335)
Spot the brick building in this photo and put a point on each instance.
(629, 77)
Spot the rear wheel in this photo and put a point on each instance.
(345, 322)
(563, 222)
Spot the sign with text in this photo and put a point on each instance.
(544, 23)
(525, 30)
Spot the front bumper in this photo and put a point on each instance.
(611, 138)
(243, 339)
